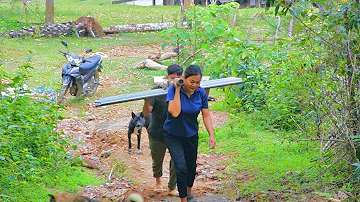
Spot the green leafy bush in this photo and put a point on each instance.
(223, 51)
(28, 139)
(32, 154)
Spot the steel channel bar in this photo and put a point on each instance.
(158, 92)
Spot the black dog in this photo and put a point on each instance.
(137, 121)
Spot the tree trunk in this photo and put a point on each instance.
(25, 11)
(49, 12)
(141, 27)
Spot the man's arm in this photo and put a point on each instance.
(147, 108)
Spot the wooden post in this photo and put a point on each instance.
(49, 12)
(24, 11)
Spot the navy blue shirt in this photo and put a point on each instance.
(186, 124)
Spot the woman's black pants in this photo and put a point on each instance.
(183, 151)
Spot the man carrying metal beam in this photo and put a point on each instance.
(158, 107)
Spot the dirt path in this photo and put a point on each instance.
(101, 137)
(102, 143)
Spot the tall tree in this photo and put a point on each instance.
(49, 12)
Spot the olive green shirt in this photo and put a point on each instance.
(159, 113)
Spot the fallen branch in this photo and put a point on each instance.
(322, 139)
(166, 56)
(160, 57)
(154, 61)
(148, 63)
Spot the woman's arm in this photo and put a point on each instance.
(174, 106)
(209, 126)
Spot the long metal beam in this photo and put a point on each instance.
(157, 92)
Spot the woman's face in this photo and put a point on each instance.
(192, 83)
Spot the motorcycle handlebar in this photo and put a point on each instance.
(74, 56)
(63, 53)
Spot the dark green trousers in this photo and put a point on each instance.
(158, 150)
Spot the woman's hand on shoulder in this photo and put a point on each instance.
(178, 82)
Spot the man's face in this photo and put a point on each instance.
(171, 77)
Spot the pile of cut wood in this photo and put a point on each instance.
(52, 30)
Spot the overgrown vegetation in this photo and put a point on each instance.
(305, 82)
(295, 118)
(32, 152)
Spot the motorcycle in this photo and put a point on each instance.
(80, 75)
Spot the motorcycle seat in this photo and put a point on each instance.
(89, 65)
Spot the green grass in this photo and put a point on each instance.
(69, 180)
(267, 158)
(47, 63)
(105, 12)
(262, 160)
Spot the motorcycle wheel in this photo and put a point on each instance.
(64, 90)
(92, 85)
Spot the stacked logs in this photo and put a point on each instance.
(51, 30)
(26, 31)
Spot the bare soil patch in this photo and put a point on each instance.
(138, 51)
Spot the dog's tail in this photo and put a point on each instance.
(135, 198)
